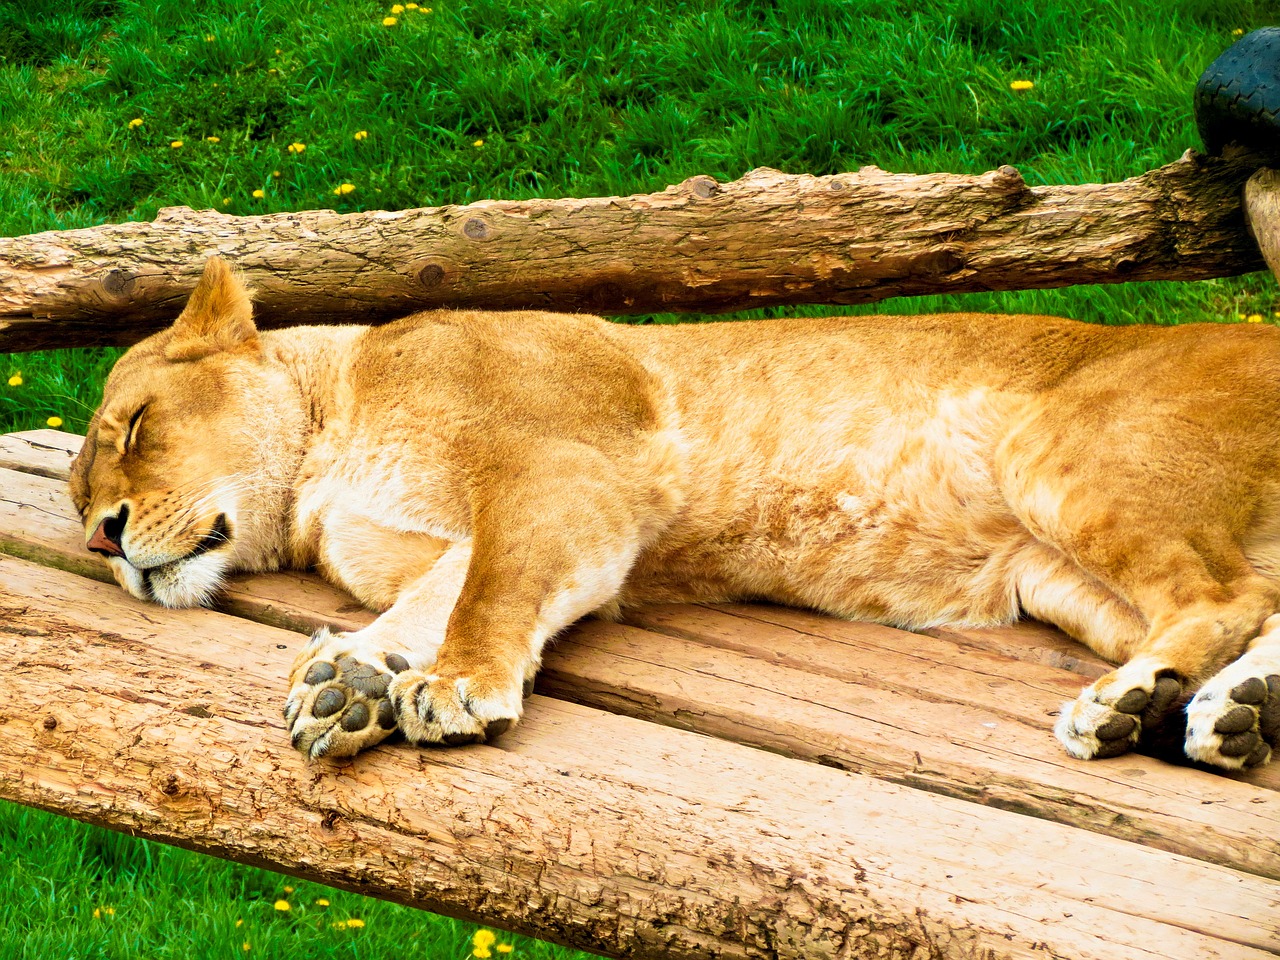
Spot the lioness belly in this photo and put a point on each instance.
(885, 511)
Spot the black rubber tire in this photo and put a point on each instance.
(1238, 98)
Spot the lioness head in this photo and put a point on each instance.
(184, 473)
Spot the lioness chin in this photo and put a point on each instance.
(485, 479)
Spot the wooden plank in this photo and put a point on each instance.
(600, 831)
(1019, 690)
(46, 453)
(928, 712)
(917, 733)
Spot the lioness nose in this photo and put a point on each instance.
(106, 539)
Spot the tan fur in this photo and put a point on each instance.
(521, 470)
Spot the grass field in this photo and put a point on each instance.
(115, 108)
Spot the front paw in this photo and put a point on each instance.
(1234, 721)
(452, 710)
(1108, 717)
(338, 703)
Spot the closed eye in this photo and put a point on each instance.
(131, 435)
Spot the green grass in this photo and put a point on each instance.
(490, 99)
(573, 98)
(82, 893)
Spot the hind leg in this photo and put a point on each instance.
(1109, 717)
(1151, 491)
(1203, 608)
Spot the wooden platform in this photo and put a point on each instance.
(738, 781)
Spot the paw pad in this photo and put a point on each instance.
(1237, 728)
(338, 704)
(1098, 725)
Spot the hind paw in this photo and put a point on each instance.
(1234, 721)
(1108, 718)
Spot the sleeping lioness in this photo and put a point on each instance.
(485, 479)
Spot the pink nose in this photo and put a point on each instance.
(102, 540)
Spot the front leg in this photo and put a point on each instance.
(545, 552)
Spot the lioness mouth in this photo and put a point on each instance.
(219, 534)
(215, 538)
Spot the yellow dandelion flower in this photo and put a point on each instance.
(175, 144)
(226, 201)
(398, 8)
(355, 923)
(135, 123)
(343, 189)
(1021, 85)
(277, 51)
(273, 70)
(100, 912)
(483, 939)
(389, 21)
(297, 147)
(288, 889)
(1253, 318)
(505, 947)
(338, 925)
(212, 139)
(209, 38)
(54, 422)
(239, 923)
(322, 902)
(16, 381)
(481, 952)
(245, 946)
(362, 135)
(276, 174)
(1237, 32)
(258, 195)
(478, 143)
(1239, 316)
(424, 9)
(411, 6)
(283, 906)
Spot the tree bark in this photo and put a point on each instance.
(764, 240)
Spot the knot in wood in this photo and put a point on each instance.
(476, 229)
(431, 275)
(703, 187)
(116, 283)
(1007, 179)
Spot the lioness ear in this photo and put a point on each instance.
(219, 316)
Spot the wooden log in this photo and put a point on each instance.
(598, 831)
(1262, 211)
(766, 239)
(950, 714)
